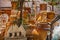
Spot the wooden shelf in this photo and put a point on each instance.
(5, 8)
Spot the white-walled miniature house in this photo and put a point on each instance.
(16, 32)
(12, 29)
(22, 30)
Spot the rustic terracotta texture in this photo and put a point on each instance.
(41, 32)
